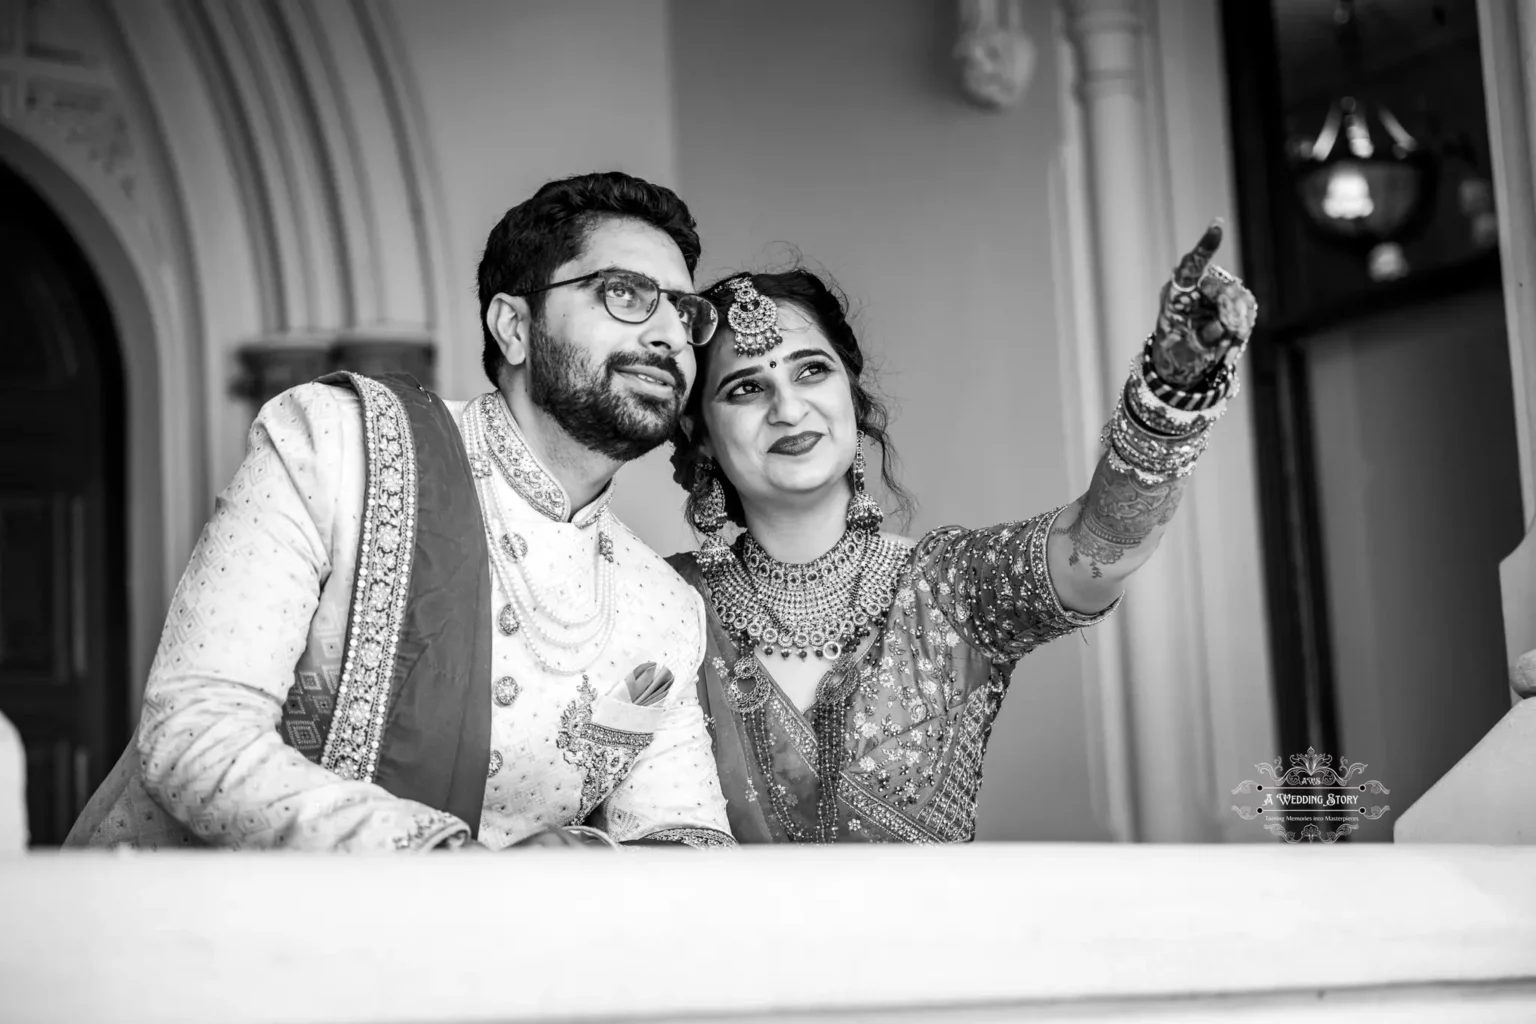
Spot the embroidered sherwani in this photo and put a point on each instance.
(260, 728)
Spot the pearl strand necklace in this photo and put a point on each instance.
(507, 549)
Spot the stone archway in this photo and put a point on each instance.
(247, 179)
(157, 390)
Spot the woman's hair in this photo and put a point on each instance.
(826, 306)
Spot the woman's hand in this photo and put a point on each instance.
(1205, 318)
(561, 838)
(1203, 325)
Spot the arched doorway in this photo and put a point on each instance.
(63, 578)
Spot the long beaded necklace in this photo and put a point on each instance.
(828, 714)
(560, 643)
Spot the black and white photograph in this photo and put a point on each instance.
(490, 490)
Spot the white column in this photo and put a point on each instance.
(1163, 674)
(1508, 39)
(1487, 796)
(13, 790)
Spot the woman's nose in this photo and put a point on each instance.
(788, 407)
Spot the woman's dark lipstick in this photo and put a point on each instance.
(795, 444)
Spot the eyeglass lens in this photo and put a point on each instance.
(632, 299)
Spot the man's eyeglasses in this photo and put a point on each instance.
(631, 297)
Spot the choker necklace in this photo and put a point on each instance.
(818, 607)
(559, 642)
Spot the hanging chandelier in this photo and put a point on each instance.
(1365, 181)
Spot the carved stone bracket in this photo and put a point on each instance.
(997, 57)
(269, 367)
(58, 83)
(87, 117)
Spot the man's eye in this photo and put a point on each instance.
(621, 289)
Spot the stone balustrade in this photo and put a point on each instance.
(985, 932)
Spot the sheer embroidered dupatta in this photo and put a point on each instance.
(766, 757)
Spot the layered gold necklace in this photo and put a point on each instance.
(817, 607)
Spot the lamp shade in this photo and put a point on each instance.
(1365, 180)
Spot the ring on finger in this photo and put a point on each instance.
(1221, 274)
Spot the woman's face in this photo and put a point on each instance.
(782, 424)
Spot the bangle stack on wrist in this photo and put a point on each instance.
(1209, 398)
(1158, 431)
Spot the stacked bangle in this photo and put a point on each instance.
(1158, 432)
(1212, 392)
(1153, 457)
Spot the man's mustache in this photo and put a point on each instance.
(666, 364)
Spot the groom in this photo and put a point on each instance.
(416, 624)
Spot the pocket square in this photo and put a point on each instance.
(648, 684)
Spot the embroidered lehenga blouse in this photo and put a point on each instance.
(911, 714)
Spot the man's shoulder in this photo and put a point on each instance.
(336, 392)
(645, 559)
(686, 565)
(331, 399)
(310, 402)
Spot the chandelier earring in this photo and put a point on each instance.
(706, 511)
(864, 512)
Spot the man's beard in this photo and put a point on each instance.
(589, 406)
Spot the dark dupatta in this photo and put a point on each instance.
(437, 737)
(417, 723)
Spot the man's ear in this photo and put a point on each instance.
(510, 322)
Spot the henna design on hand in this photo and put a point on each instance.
(1204, 318)
(1119, 513)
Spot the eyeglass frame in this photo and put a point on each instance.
(672, 294)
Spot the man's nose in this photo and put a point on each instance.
(665, 329)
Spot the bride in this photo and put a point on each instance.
(852, 676)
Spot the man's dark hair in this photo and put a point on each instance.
(551, 229)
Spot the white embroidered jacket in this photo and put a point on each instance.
(265, 601)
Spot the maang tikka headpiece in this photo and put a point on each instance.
(753, 318)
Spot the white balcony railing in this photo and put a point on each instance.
(983, 932)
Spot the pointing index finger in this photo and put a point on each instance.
(1188, 272)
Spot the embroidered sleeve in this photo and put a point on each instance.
(209, 747)
(994, 586)
(697, 838)
(673, 786)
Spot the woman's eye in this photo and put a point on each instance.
(814, 369)
(742, 390)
